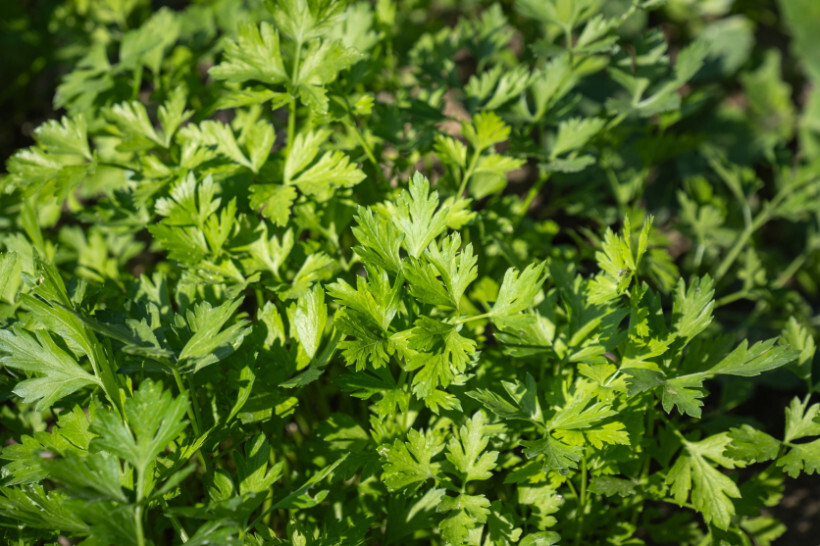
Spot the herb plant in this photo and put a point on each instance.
(411, 272)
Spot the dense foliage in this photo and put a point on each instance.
(412, 272)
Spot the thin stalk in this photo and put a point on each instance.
(138, 508)
(752, 225)
(183, 535)
(464, 320)
(368, 151)
(195, 403)
(193, 415)
(650, 426)
(790, 271)
(292, 101)
(568, 43)
(182, 390)
(138, 523)
(291, 123)
(582, 500)
(734, 252)
(469, 173)
(534, 190)
(136, 84)
(725, 300)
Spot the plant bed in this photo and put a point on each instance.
(414, 272)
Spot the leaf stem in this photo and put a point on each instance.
(582, 500)
(725, 300)
(292, 100)
(734, 252)
(368, 151)
(182, 390)
(183, 535)
(464, 320)
(138, 522)
(790, 271)
(291, 124)
(531, 195)
(470, 170)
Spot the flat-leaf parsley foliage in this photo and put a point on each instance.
(316, 272)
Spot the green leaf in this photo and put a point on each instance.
(574, 133)
(751, 445)
(518, 291)
(455, 265)
(273, 201)
(761, 357)
(380, 240)
(799, 338)
(95, 476)
(333, 170)
(153, 419)
(302, 20)
(802, 420)
(33, 507)
(301, 497)
(451, 151)
(410, 463)
(497, 404)
(255, 55)
(611, 486)
(466, 450)
(131, 117)
(416, 216)
(323, 61)
(618, 262)
(11, 268)
(211, 339)
(801, 458)
(692, 308)
(252, 468)
(26, 458)
(442, 352)
(258, 137)
(59, 373)
(307, 318)
(485, 130)
(424, 283)
(466, 512)
(146, 45)
(711, 490)
(303, 150)
(557, 455)
(497, 86)
(173, 114)
(69, 135)
(190, 203)
(684, 392)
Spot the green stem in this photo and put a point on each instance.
(650, 426)
(291, 125)
(182, 390)
(464, 320)
(534, 190)
(367, 149)
(138, 522)
(790, 271)
(734, 252)
(193, 414)
(136, 84)
(582, 500)
(469, 173)
(292, 102)
(183, 535)
(725, 300)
